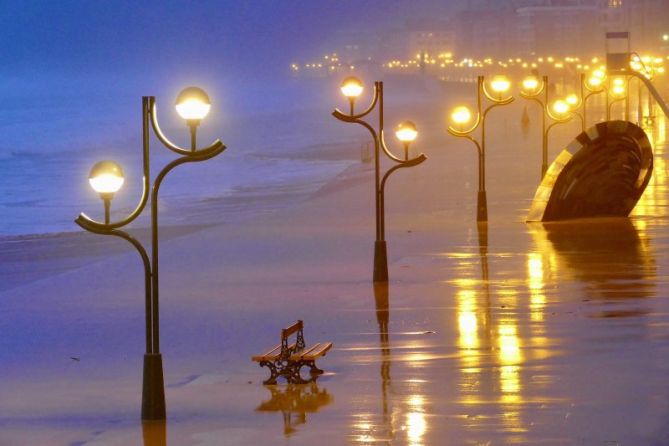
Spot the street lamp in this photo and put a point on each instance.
(559, 112)
(594, 84)
(616, 93)
(575, 102)
(193, 105)
(351, 87)
(406, 133)
(461, 117)
(532, 90)
(106, 178)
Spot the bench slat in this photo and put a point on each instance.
(311, 353)
(298, 355)
(271, 355)
(318, 352)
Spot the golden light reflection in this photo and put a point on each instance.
(653, 202)
(510, 357)
(467, 325)
(535, 273)
(509, 343)
(416, 423)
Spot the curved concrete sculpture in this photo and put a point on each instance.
(602, 173)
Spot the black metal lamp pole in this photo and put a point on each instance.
(153, 391)
(462, 116)
(380, 251)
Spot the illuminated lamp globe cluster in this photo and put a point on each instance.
(107, 178)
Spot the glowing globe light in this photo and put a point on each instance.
(500, 84)
(618, 81)
(106, 177)
(193, 104)
(560, 107)
(406, 131)
(572, 100)
(595, 81)
(351, 87)
(618, 90)
(461, 115)
(530, 84)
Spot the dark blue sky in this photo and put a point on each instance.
(233, 37)
(64, 59)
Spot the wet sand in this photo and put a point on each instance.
(505, 333)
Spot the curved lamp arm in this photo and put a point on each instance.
(410, 163)
(534, 96)
(487, 94)
(467, 136)
(498, 104)
(352, 118)
(456, 132)
(557, 119)
(169, 144)
(382, 141)
(89, 224)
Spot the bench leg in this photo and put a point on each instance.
(313, 370)
(273, 370)
(293, 376)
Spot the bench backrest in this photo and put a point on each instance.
(297, 327)
(286, 332)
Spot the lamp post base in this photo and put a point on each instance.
(544, 169)
(482, 207)
(154, 433)
(153, 390)
(380, 261)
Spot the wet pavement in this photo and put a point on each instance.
(488, 334)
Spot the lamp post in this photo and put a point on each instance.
(560, 114)
(406, 133)
(106, 178)
(461, 116)
(577, 101)
(595, 85)
(530, 89)
(616, 93)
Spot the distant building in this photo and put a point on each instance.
(558, 27)
(429, 37)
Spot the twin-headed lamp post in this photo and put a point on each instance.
(616, 92)
(461, 117)
(594, 84)
(106, 178)
(406, 132)
(558, 111)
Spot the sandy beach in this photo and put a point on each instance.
(505, 333)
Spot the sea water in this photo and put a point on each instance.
(274, 159)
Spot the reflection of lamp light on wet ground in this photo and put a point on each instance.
(106, 178)
(406, 133)
(461, 116)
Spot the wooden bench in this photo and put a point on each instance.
(287, 359)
